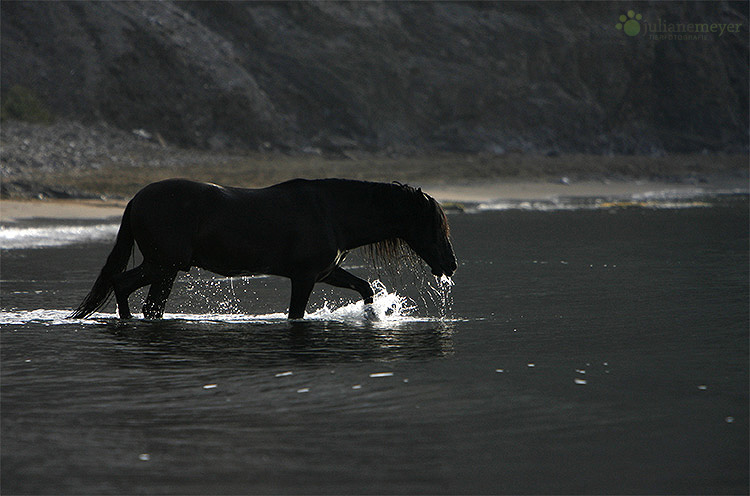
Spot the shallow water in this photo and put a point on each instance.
(589, 350)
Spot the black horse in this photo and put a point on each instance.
(300, 229)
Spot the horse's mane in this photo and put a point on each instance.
(394, 252)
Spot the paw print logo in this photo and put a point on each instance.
(629, 23)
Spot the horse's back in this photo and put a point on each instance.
(231, 230)
(174, 188)
(165, 216)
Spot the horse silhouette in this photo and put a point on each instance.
(300, 229)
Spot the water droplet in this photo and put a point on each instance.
(729, 420)
(499, 371)
(530, 365)
(303, 390)
(579, 381)
(357, 386)
(702, 387)
(210, 386)
(144, 457)
(284, 374)
(382, 374)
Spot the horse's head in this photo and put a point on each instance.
(427, 234)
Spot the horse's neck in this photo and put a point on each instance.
(366, 215)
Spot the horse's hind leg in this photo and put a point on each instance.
(153, 307)
(129, 281)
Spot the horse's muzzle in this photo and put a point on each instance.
(440, 273)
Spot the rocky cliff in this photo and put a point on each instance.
(389, 76)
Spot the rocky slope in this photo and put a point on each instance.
(387, 77)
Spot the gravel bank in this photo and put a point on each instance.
(71, 160)
(30, 153)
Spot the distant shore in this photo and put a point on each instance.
(452, 196)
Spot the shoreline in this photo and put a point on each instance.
(452, 196)
(476, 192)
(12, 211)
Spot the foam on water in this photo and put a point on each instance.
(17, 237)
(387, 307)
(653, 200)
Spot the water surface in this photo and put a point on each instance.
(586, 350)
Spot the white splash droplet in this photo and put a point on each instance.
(382, 374)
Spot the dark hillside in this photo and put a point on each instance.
(388, 76)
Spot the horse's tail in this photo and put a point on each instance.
(116, 263)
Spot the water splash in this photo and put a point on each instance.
(211, 293)
(386, 307)
(439, 292)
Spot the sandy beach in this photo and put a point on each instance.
(16, 210)
(467, 193)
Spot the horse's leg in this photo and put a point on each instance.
(127, 282)
(301, 288)
(153, 307)
(343, 279)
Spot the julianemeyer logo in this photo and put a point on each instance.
(633, 24)
(630, 23)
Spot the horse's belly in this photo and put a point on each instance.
(227, 265)
(278, 261)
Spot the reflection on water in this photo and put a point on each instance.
(259, 346)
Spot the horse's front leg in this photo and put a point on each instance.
(301, 288)
(343, 279)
